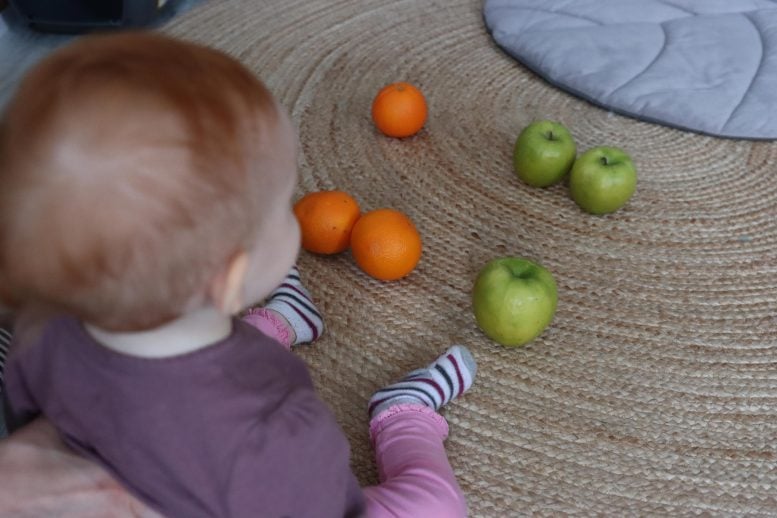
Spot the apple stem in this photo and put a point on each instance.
(604, 160)
(550, 135)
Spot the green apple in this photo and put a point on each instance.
(543, 153)
(602, 180)
(514, 300)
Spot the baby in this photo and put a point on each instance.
(146, 199)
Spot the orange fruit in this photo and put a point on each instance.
(326, 219)
(385, 244)
(399, 110)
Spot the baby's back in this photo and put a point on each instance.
(234, 429)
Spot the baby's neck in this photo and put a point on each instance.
(188, 333)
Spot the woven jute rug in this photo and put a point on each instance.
(654, 391)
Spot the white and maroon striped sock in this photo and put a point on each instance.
(448, 377)
(294, 303)
(5, 343)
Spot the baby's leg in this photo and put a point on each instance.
(416, 478)
(289, 315)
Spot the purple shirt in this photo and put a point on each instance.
(231, 430)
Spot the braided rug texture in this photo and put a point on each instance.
(654, 391)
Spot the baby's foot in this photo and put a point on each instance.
(448, 377)
(5, 343)
(289, 306)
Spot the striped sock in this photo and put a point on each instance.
(5, 343)
(294, 303)
(448, 377)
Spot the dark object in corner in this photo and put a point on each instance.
(75, 16)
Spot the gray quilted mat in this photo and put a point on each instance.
(703, 65)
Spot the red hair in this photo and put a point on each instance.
(130, 171)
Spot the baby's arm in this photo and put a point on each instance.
(289, 315)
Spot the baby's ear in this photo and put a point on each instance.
(227, 286)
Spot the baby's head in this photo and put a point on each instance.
(141, 178)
